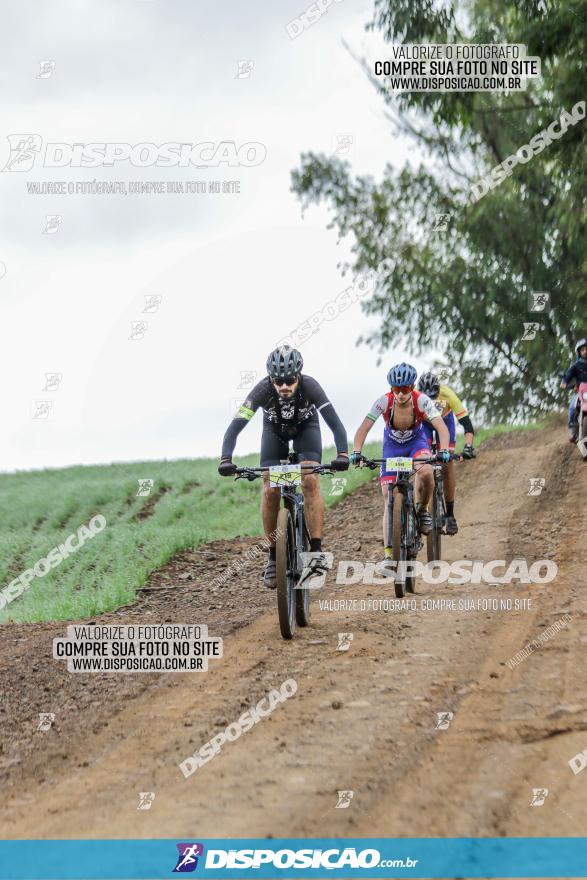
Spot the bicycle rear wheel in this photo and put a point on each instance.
(398, 550)
(285, 562)
(303, 595)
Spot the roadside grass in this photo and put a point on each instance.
(188, 505)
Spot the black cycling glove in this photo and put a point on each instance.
(226, 468)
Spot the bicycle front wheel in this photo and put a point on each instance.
(303, 595)
(285, 562)
(397, 541)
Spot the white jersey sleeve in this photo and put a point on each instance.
(427, 407)
(378, 407)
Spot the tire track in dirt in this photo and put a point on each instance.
(362, 720)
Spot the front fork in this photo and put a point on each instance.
(296, 509)
(411, 539)
(413, 535)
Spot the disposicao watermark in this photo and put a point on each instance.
(53, 558)
(459, 572)
(523, 155)
(26, 151)
(363, 285)
(540, 640)
(258, 551)
(306, 19)
(247, 720)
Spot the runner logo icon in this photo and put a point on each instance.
(23, 151)
(187, 859)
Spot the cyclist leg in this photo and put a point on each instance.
(448, 473)
(414, 448)
(573, 421)
(308, 447)
(391, 449)
(424, 482)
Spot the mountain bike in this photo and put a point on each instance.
(403, 534)
(434, 539)
(439, 513)
(293, 539)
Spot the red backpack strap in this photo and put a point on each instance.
(418, 416)
(387, 414)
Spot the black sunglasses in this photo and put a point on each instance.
(286, 380)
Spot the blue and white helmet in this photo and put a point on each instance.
(402, 374)
(579, 345)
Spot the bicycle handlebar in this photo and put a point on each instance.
(374, 462)
(246, 473)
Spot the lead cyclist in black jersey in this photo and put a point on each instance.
(291, 402)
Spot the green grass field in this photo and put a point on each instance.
(188, 505)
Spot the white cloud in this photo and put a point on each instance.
(236, 272)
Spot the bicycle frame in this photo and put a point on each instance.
(292, 539)
(293, 500)
(438, 493)
(411, 538)
(295, 503)
(405, 485)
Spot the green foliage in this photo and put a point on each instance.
(465, 290)
(189, 505)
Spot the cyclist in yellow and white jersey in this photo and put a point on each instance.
(451, 408)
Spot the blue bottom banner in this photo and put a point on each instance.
(276, 858)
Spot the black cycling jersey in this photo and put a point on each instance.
(286, 416)
(576, 373)
(307, 443)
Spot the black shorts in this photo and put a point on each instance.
(307, 442)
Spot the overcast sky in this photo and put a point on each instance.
(235, 272)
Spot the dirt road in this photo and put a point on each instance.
(362, 721)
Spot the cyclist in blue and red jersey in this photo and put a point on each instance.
(404, 412)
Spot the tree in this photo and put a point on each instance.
(466, 290)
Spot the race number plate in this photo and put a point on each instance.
(285, 475)
(585, 395)
(399, 464)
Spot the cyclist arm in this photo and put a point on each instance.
(333, 421)
(319, 398)
(443, 438)
(460, 412)
(569, 377)
(243, 415)
(361, 434)
(379, 407)
(467, 424)
(431, 414)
